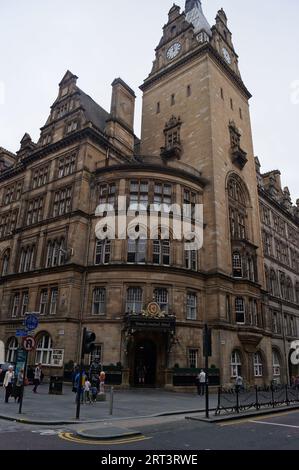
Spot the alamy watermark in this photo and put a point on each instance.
(153, 222)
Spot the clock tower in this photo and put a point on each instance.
(195, 86)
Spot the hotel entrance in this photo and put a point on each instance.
(145, 363)
(147, 345)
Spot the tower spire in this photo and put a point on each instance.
(195, 15)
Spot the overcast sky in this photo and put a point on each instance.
(99, 40)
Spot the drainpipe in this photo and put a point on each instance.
(83, 285)
(285, 344)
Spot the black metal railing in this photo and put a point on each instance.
(240, 399)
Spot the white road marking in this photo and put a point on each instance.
(275, 424)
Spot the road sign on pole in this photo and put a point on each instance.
(31, 322)
(28, 343)
(24, 378)
(21, 333)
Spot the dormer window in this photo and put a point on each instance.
(46, 139)
(62, 110)
(72, 126)
(202, 37)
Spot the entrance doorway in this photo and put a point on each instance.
(145, 363)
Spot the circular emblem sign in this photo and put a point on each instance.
(31, 322)
(28, 343)
(153, 309)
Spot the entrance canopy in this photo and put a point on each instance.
(152, 318)
(139, 323)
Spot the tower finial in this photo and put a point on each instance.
(195, 15)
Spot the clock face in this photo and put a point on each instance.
(173, 51)
(226, 56)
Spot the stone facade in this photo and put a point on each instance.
(148, 301)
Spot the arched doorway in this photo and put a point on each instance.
(145, 363)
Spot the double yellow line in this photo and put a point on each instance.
(67, 436)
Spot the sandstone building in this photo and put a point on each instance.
(148, 300)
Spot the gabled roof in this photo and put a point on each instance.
(67, 77)
(94, 113)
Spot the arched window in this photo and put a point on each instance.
(240, 310)
(283, 291)
(44, 350)
(273, 283)
(236, 364)
(134, 300)
(297, 292)
(237, 208)
(237, 265)
(5, 262)
(102, 252)
(26, 259)
(55, 253)
(258, 365)
(276, 363)
(267, 277)
(250, 268)
(289, 290)
(11, 350)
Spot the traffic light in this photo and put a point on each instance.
(88, 342)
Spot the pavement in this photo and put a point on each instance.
(132, 411)
(174, 433)
(45, 409)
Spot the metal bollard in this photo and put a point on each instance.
(111, 400)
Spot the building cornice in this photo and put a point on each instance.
(206, 48)
(155, 168)
(134, 267)
(88, 132)
(264, 194)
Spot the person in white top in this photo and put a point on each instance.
(201, 382)
(87, 387)
(37, 377)
(8, 383)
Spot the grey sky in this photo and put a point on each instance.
(99, 40)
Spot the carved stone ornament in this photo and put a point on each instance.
(153, 310)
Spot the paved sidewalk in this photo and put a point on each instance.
(42, 408)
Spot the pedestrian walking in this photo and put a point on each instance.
(201, 382)
(8, 383)
(87, 387)
(239, 383)
(37, 377)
